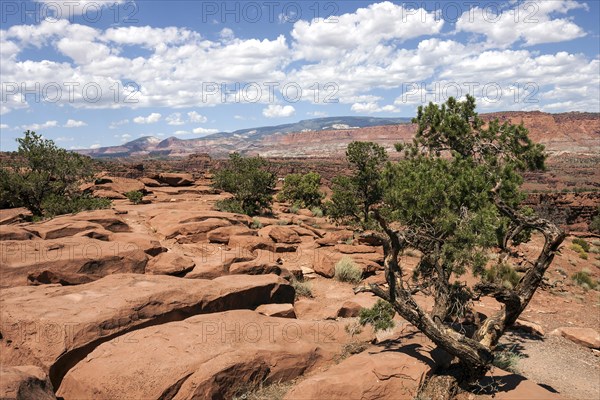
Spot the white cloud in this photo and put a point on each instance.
(64, 139)
(317, 114)
(196, 118)
(277, 111)
(204, 131)
(175, 119)
(37, 127)
(181, 133)
(372, 107)
(4, 126)
(530, 22)
(95, 146)
(125, 137)
(150, 119)
(71, 123)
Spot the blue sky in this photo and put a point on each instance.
(95, 73)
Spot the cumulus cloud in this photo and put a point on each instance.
(4, 126)
(37, 127)
(204, 131)
(277, 111)
(150, 119)
(71, 123)
(175, 119)
(531, 22)
(196, 118)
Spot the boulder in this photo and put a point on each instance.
(140, 241)
(277, 310)
(115, 184)
(172, 179)
(529, 327)
(587, 337)
(352, 308)
(149, 182)
(194, 231)
(254, 267)
(355, 249)
(377, 374)
(309, 309)
(170, 264)
(72, 256)
(13, 232)
(211, 356)
(282, 234)
(222, 234)
(55, 327)
(109, 194)
(61, 227)
(333, 238)
(25, 383)
(45, 277)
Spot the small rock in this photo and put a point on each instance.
(584, 336)
(277, 310)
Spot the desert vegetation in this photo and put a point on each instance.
(426, 262)
(45, 179)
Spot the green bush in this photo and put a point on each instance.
(256, 224)
(576, 247)
(303, 190)
(250, 183)
(135, 196)
(380, 316)
(583, 279)
(230, 205)
(346, 270)
(584, 245)
(502, 273)
(294, 209)
(507, 360)
(317, 212)
(40, 173)
(54, 205)
(302, 288)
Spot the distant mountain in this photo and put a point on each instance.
(325, 137)
(224, 142)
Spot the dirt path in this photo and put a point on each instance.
(557, 363)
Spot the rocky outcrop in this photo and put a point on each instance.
(376, 374)
(73, 256)
(173, 179)
(170, 264)
(25, 383)
(54, 327)
(206, 356)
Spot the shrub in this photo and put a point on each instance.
(583, 279)
(507, 360)
(256, 224)
(595, 223)
(57, 205)
(576, 247)
(346, 270)
(40, 171)
(317, 212)
(302, 288)
(230, 205)
(294, 209)
(303, 190)
(135, 196)
(380, 316)
(250, 183)
(581, 242)
(502, 273)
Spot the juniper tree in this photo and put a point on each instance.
(354, 195)
(454, 195)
